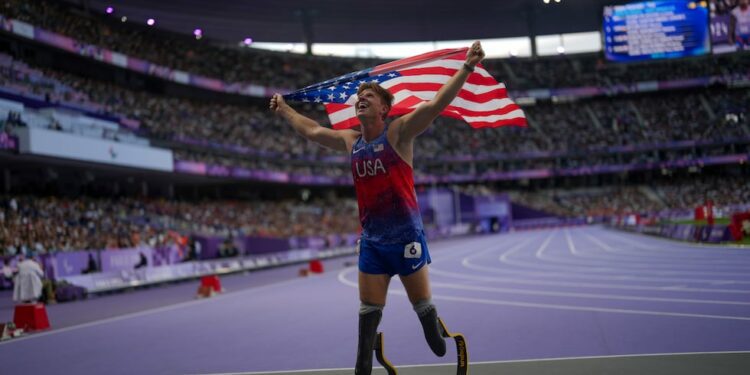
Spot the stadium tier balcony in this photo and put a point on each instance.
(283, 70)
(184, 53)
(249, 137)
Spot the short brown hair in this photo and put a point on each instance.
(379, 91)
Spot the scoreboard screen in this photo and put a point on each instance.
(656, 30)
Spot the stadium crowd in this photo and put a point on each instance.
(569, 127)
(46, 224)
(722, 191)
(681, 194)
(249, 136)
(233, 64)
(229, 63)
(238, 134)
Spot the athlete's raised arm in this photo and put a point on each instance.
(413, 124)
(340, 140)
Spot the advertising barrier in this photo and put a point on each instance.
(65, 145)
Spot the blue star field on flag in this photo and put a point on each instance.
(339, 89)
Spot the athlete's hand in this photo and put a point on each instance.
(277, 103)
(475, 54)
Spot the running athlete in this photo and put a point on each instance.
(393, 240)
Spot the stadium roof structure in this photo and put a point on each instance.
(336, 21)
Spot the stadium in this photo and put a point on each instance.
(580, 179)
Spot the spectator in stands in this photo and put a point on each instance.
(91, 267)
(13, 119)
(143, 261)
(7, 274)
(55, 125)
(196, 249)
(28, 282)
(228, 248)
(739, 27)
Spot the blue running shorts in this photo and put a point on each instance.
(401, 258)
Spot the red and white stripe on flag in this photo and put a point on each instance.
(482, 101)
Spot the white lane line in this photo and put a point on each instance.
(697, 260)
(713, 258)
(674, 265)
(544, 245)
(687, 276)
(652, 251)
(569, 273)
(583, 295)
(342, 278)
(571, 246)
(532, 269)
(600, 285)
(630, 238)
(506, 254)
(723, 282)
(586, 263)
(671, 262)
(674, 287)
(586, 308)
(646, 355)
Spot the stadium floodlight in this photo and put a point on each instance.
(546, 1)
(247, 41)
(109, 10)
(150, 22)
(123, 19)
(197, 32)
(557, 1)
(560, 49)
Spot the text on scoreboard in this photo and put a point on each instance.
(656, 30)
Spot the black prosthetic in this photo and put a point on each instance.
(368, 326)
(433, 331)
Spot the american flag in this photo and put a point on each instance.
(482, 102)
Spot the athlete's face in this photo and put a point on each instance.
(370, 104)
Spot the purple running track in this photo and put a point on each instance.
(525, 295)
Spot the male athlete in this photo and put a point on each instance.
(392, 240)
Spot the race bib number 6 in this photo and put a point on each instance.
(413, 250)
